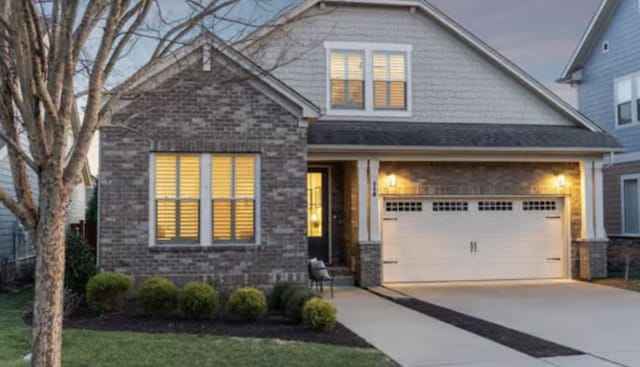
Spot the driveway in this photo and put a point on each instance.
(601, 321)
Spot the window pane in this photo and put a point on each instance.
(221, 176)
(631, 224)
(244, 220)
(397, 67)
(356, 94)
(624, 114)
(389, 89)
(397, 95)
(166, 171)
(165, 220)
(338, 91)
(355, 69)
(338, 66)
(221, 220)
(245, 176)
(190, 219)
(189, 176)
(314, 204)
(623, 91)
(380, 67)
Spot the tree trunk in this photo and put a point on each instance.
(49, 281)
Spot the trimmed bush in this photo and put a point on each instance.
(319, 314)
(287, 293)
(80, 263)
(198, 300)
(293, 308)
(158, 296)
(106, 292)
(276, 295)
(246, 304)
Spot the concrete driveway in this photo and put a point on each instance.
(601, 321)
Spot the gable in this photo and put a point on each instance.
(455, 77)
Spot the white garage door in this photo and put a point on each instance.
(447, 240)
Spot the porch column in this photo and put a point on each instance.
(592, 246)
(363, 227)
(374, 217)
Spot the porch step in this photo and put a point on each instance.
(344, 281)
(337, 271)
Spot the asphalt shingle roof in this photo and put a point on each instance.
(457, 135)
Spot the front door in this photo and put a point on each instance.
(318, 213)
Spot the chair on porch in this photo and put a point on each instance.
(318, 274)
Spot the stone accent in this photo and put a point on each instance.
(199, 111)
(592, 259)
(369, 265)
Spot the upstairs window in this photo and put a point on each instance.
(368, 79)
(627, 100)
(390, 81)
(347, 79)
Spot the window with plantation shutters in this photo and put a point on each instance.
(204, 199)
(233, 198)
(346, 70)
(177, 189)
(389, 81)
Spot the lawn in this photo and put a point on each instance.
(104, 349)
(631, 284)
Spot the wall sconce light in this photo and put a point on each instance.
(393, 181)
(561, 181)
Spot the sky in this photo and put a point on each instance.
(538, 35)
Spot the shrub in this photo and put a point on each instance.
(158, 296)
(106, 292)
(80, 263)
(276, 295)
(71, 302)
(293, 308)
(319, 314)
(287, 293)
(198, 300)
(246, 304)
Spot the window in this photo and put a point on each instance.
(495, 206)
(347, 79)
(403, 206)
(177, 198)
(204, 199)
(368, 79)
(233, 197)
(627, 100)
(450, 206)
(390, 81)
(630, 207)
(528, 206)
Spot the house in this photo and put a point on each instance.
(16, 251)
(605, 69)
(392, 142)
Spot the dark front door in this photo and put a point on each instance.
(318, 213)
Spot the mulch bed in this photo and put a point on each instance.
(273, 327)
(514, 339)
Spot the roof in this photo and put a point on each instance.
(207, 39)
(459, 32)
(453, 136)
(590, 38)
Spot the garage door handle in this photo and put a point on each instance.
(390, 219)
(555, 217)
(389, 262)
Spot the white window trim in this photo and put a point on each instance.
(634, 97)
(206, 231)
(368, 49)
(624, 178)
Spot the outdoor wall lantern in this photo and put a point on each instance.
(561, 181)
(393, 181)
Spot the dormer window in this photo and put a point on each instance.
(347, 79)
(368, 79)
(627, 100)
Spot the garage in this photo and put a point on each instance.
(441, 239)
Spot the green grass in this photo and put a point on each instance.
(119, 349)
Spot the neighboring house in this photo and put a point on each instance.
(429, 157)
(14, 243)
(605, 69)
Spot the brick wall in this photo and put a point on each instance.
(194, 112)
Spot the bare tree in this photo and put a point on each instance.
(626, 255)
(49, 50)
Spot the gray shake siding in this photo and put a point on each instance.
(192, 113)
(451, 83)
